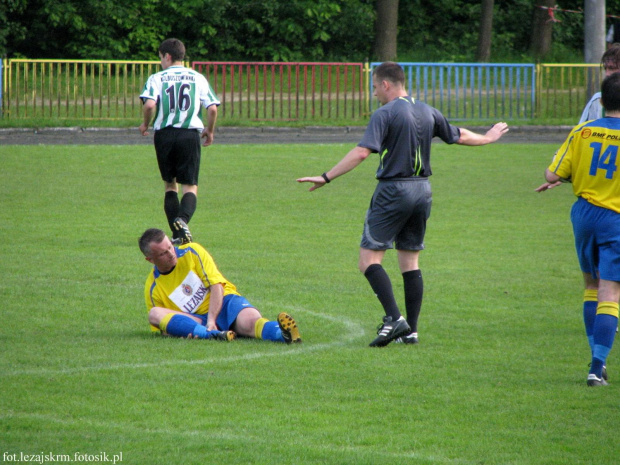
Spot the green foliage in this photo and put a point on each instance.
(296, 30)
(11, 29)
(435, 38)
(499, 376)
(291, 30)
(90, 29)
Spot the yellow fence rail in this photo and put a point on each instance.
(85, 89)
(81, 89)
(109, 90)
(562, 90)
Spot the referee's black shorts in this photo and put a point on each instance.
(178, 154)
(397, 215)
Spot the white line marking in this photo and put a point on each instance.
(240, 440)
(353, 331)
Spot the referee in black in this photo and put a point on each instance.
(400, 131)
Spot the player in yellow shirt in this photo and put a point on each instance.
(589, 160)
(187, 296)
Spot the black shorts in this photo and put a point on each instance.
(178, 154)
(397, 214)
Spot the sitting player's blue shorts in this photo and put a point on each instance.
(231, 307)
(597, 240)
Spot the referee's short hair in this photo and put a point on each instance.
(174, 47)
(610, 92)
(389, 71)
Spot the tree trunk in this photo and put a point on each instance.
(386, 30)
(542, 27)
(486, 31)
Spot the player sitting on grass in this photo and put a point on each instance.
(187, 296)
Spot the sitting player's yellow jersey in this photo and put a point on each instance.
(588, 158)
(187, 287)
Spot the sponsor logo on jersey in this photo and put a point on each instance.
(193, 303)
(190, 294)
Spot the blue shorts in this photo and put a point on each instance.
(597, 239)
(231, 307)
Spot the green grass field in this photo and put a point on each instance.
(498, 378)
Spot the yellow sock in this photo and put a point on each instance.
(590, 295)
(258, 327)
(163, 324)
(608, 308)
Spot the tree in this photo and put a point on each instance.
(11, 29)
(486, 31)
(301, 30)
(386, 30)
(542, 27)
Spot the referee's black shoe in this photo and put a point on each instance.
(181, 230)
(409, 338)
(390, 330)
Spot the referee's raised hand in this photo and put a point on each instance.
(317, 181)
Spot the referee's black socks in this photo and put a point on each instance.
(382, 287)
(414, 290)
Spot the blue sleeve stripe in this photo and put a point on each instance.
(202, 266)
(151, 293)
(563, 155)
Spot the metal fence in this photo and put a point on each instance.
(563, 89)
(477, 91)
(79, 89)
(278, 91)
(287, 91)
(84, 89)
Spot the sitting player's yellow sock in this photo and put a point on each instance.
(267, 330)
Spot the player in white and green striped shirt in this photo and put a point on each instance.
(173, 99)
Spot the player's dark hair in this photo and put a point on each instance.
(174, 47)
(149, 236)
(610, 92)
(389, 71)
(611, 57)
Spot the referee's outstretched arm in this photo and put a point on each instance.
(492, 135)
